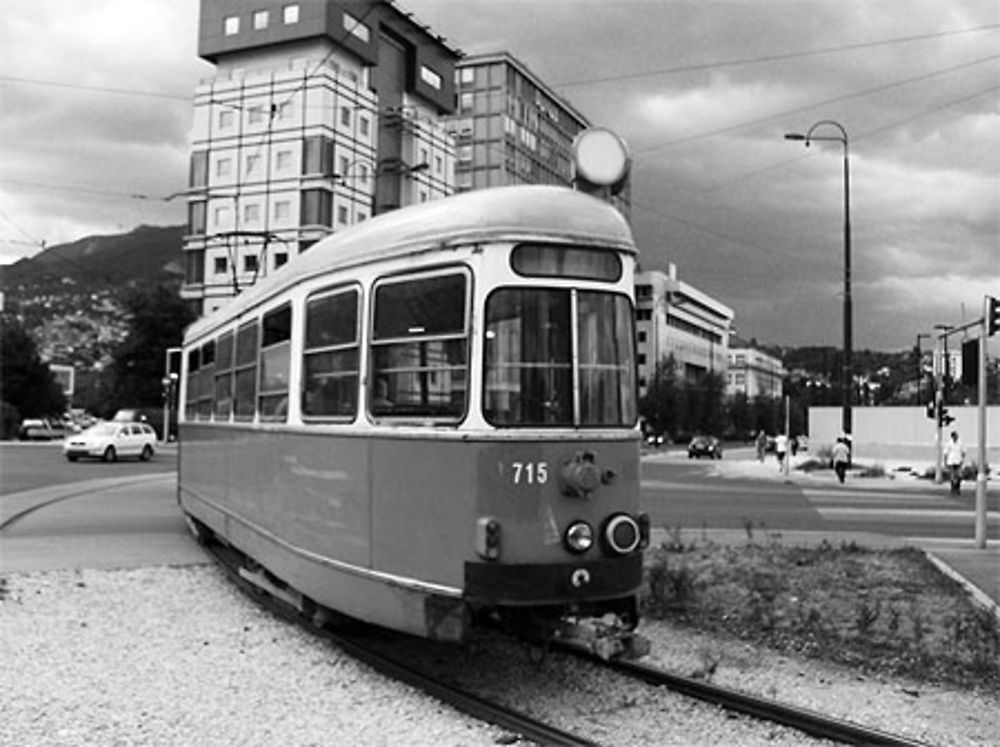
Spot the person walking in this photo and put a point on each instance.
(761, 443)
(781, 448)
(841, 458)
(954, 458)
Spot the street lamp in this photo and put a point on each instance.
(848, 373)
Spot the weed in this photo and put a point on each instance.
(888, 611)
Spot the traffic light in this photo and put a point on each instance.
(930, 410)
(992, 316)
(944, 418)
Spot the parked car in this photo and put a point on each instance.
(110, 441)
(705, 446)
(40, 429)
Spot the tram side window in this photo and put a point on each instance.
(206, 375)
(607, 359)
(192, 391)
(529, 374)
(419, 348)
(245, 373)
(275, 346)
(330, 359)
(224, 377)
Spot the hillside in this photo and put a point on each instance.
(148, 254)
(69, 296)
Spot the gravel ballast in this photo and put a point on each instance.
(178, 656)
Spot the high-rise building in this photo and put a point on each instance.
(512, 128)
(320, 114)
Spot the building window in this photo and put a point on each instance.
(345, 116)
(222, 216)
(224, 167)
(353, 26)
(220, 266)
(467, 75)
(438, 164)
(255, 114)
(316, 207)
(251, 213)
(253, 161)
(342, 215)
(290, 14)
(317, 155)
(231, 25)
(194, 266)
(226, 119)
(642, 336)
(196, 217)
(283, 160)
(465, 102)
(260, 19)
(250, 263)
(199, 169)
(430, 77)
(282, 210)
(364, 126)
(281, 258)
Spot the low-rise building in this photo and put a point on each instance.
(673, 318)
(753, 372)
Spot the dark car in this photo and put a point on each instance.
(704, 446)
(41, 429)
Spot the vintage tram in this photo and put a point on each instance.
(429, 419)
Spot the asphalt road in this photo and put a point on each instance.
(26, 466)
(684, 494)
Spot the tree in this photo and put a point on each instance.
(659, 407)
(26, 382)
(157, 319)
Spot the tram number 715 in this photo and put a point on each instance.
(530, 473)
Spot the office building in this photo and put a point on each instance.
(320, 115)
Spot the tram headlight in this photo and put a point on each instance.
(621, 534)
(579, 537)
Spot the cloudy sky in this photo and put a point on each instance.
(95, 115)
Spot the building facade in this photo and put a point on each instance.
(753, 372)
(320, 114)
(675, 319)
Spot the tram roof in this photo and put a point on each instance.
(518, 213)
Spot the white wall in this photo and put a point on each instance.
(904, 433)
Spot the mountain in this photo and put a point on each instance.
(148, 254)
(69, 297)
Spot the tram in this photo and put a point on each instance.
(429, 420)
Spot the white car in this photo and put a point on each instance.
(109, 441)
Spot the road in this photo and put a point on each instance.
(26, 466)
(690, 495)
(125, 514)
(89, 514)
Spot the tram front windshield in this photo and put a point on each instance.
(559, 358)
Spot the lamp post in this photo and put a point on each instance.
(848, 373)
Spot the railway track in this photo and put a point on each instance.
(354, 639)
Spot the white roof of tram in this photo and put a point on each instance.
(520, 213)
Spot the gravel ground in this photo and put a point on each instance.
(177, 656)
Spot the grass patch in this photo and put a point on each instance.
(881, 611)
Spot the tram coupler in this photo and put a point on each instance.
(605, 637)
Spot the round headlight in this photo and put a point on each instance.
(621, 534)
(579, 537)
